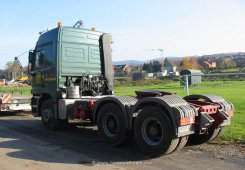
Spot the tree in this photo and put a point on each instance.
(11, 68)
(147, 67)
(156, 66)
(9, 65)
(166, 63)
(227, 63)
(144, 67)
(190, 63)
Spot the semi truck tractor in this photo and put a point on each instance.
(72, 79)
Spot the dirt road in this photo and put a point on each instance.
(24, 143)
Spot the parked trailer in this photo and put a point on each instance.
(72, 79)
(10, 102)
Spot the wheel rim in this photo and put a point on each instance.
(47, 114)
(152, 131)
(110, 125)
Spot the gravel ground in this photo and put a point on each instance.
(219, 148)
(25, 144)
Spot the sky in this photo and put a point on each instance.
(139, 27)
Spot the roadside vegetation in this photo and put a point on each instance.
(233, 91)
(18, 90)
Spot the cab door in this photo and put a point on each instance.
(38, 70)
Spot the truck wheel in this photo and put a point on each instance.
(182, 142)
(153, 132)
(198, 139)
(47, 114)
(172, 146)
(112, 124)
(220, 133)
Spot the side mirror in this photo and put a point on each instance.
(30, 57)
(30, 61)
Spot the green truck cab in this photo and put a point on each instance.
(66, 52)
(72, 78)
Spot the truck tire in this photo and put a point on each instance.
(48, 115)
(182, 142)
(112, 125)
(220, 133)
(153, 132)
(198, 139)
(173, 146)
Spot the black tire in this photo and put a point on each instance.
(198, 139)
(112, 125)
(153, 132)
(182, 142)
(221, 132)
(173, 146)
(215, 134)
(48, 115)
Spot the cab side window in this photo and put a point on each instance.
(39, 59)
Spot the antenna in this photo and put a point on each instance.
(78, 24)
(41, 32)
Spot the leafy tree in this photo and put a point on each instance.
(9, 65)
(190, 63)
(227, 63)
(156, 66)
(12, 67)
(148, 67)
(166, 63)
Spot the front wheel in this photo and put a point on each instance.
(153, 132)
(48, 115)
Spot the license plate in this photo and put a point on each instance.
(184, 128)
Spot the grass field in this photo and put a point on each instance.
(233, 91)
(25, 90)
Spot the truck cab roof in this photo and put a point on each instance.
(68, 34)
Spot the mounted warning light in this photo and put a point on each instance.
(59, 24)
(93, 29)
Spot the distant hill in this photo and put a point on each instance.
(137, 62)
(178, 59)
(130, 62)
(225, 54)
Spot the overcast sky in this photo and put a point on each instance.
(180, 27)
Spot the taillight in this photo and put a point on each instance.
(91, 103)
(186, 121)
(230, 113)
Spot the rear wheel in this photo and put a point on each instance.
(212, 134)
(153, 132)
(221, 131)
(182, 142)
(173, 146)
(112, 124)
